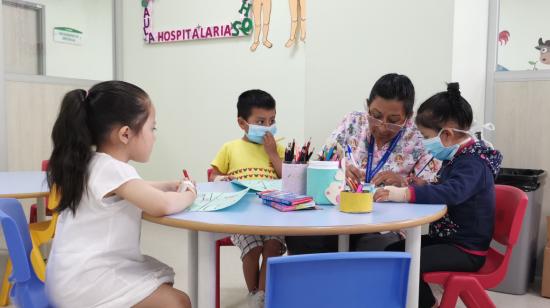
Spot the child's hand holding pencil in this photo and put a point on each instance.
(187, 184)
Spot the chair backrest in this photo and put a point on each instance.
(44, 167)
(27, 290)
(511, 204)
(351, 279)
(17, 237)
(53, 198)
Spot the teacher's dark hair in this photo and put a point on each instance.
(394, 87)
(85, 120)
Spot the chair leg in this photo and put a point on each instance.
(218, 274)
(451, 292)
(475, 296)
(468, 289)
(5, 290)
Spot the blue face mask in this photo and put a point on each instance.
(256, 133)
(435, 147)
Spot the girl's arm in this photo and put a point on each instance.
(466, 180)
(165, 185)
(154, 201)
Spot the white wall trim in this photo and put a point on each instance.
(50, 80)
(492, 35)
(522, 75)
(3, 119)
(117, 40)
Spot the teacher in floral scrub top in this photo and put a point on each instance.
(387, 148)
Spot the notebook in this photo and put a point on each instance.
(285, 198)
(288, 208)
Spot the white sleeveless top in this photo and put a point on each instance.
(96, 259)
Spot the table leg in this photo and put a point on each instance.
(40, 209)
(41, 216)
(207, 270)
(193, 266)
(412, 246)
(343, 243)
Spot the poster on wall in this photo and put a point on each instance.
(241, 25)
(252, 17)
(67, 35)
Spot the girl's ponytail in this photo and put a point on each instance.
(72, 150)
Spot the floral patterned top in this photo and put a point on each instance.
(409, 152)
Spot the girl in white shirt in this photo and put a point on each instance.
(96, 260)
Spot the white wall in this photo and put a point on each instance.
(93, 59)
(527, 21)
(352, 43)
(470, 52)
(195, 85)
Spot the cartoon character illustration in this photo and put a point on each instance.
(544, 48)
(261, 9)
(432, 166)
(294, 6)
(333, 191)
(503, 37)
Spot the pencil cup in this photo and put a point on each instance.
(294, 178)
(320, 175)
(352, 202)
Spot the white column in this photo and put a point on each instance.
(469, 62)
(207, 270)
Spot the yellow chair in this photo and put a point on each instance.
(41, 233)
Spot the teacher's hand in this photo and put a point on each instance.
(389, 178)
(354, 173)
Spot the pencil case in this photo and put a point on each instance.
(352, 202)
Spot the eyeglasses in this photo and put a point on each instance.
(389, 126)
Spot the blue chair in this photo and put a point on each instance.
(27, 290)
(350, 279)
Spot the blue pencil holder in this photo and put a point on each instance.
(320, 175)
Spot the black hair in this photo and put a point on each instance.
(394, 86)
(444, 107)
(254, 99)
(85, 120)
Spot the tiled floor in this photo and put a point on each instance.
(168, 245)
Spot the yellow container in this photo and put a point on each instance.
(351, 202)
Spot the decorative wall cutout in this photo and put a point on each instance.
(241, 26)
(298, 8)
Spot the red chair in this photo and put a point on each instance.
(470, 287)
(33, 217)
(226, 241)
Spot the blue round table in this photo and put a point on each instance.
(250, 216)
(26, 185)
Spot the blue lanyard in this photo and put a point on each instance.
(369, 174)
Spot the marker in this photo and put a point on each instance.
(329, 155)
(350, 157)
(185, 174)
